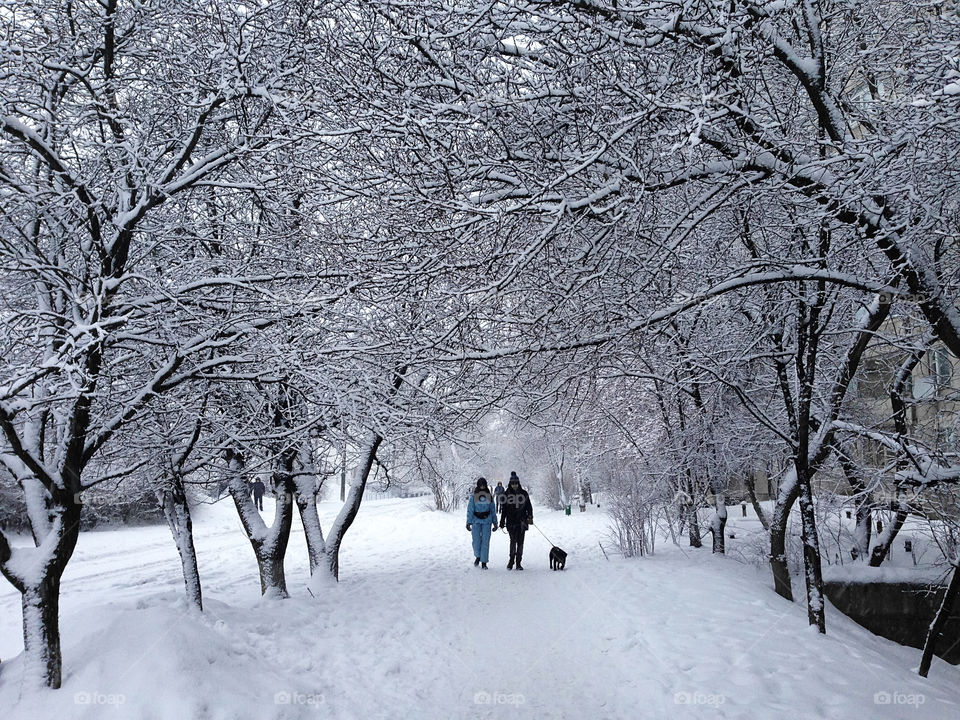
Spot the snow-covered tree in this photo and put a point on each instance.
(118, 123)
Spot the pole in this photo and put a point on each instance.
(343, 471)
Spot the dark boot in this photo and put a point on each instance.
(476, 562)
(483, 565)
(510, 564)
(519, 566)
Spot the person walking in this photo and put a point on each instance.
(498, 492)
(516, 515)
(481, 521)
(258, 490)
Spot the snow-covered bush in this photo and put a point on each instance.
(639, 504)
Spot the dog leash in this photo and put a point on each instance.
(544, 536)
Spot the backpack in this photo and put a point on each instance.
(482, 514)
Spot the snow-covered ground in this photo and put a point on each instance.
(414, 630)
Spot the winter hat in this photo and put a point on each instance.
(513, 476)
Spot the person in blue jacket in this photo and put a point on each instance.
(481, 521)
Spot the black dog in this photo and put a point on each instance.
(558, 558)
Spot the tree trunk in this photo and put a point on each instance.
(352, 506)
(173, 500)
(40, 593)
(689, 510)
(273, 550)
(752, 492)
(38, 507)
(41, 631)
(899, 407)
(561, 492)
(943, 612)
(693, 524)
(863, 529)
(312, 531)
(812, 571)
(718, 523)
(886, 538)
(789, 492)
(273, 579)
(269, 544)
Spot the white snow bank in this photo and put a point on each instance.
(156, 659)
(863, 573)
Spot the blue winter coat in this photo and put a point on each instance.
(480, 503)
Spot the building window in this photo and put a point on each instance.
(942, 367)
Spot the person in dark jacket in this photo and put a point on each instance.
(498, 492)
(516, 514)
(258, 490)
(481, 521)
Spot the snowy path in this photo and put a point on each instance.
(413, 629)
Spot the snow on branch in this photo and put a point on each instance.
(928, 469)
(792, 273)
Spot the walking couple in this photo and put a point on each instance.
(516, 515)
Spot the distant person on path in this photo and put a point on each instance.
(498, 492)
(258, 490)
(481, 521)
(516, 515)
